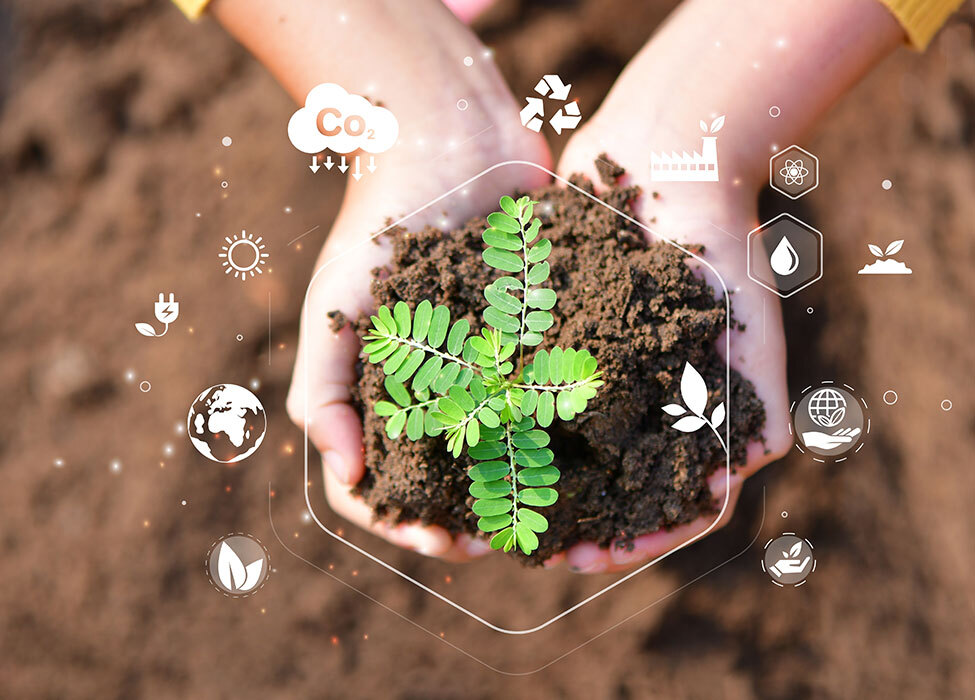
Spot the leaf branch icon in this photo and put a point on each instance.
(695, 394)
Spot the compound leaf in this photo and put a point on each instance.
(494, 522)
(502, 321)
(539, 476)
(414, 424)
(401, 313)
(486, 449)
(457, 336)
(555, 365)
(527, 540)
(546, 409)
(540, 497)
(421, 320)
(492, 506)
(439, 323)
(490, 489)
(500, 239)
(427, 373)
(539, 251)
(394, 426)
(541, 298)
(488, 471)
(533, 520)
(501, 300)
(502, 259)
(503, 222)
(412, 363)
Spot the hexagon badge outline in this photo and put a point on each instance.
(764, 227)
(771, 172)
(627, 576)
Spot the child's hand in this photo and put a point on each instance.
(324, 370)
(719, 216)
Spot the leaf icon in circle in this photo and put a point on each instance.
(693, 390)
(233, 575)
(894, 247)
(795, 549)
(230, 569)
(145, 329)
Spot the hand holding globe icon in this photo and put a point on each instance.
(829, 421)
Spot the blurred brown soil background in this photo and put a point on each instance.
(111, 119)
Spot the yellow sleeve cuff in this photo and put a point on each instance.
(921, 19)
(192, 8)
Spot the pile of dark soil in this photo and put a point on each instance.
(640, 311)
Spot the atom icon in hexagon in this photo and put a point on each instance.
(793, 172)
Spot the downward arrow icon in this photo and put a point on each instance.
(343, 166)
(357, 174)
(328, 162)
(314, 164)
(372, 164)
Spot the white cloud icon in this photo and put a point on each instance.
(341, 122)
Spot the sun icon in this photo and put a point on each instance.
(243, 255)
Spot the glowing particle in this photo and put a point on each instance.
(462, 104)
(468, 61)
(774, 111)
(886, 184)
(59, 463)
(115, 465)
(226, 141)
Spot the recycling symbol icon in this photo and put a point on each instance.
(533, 113)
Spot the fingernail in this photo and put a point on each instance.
(334, 461)
(622, 555)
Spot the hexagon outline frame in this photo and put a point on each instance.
(767, 224)
(771, 172)
(621, 580)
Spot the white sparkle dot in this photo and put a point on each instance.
(115, 465)
(198, 215)
(59, 463)
(255, 383)
(781, 42)
(886, 184)
(287, 210)
(168, 449)
(178, 428)
(226, 140)
(306, 516)
(130, 375)
(183, 502)
(343, 19)
(468, 61)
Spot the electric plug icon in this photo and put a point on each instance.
(166, 312)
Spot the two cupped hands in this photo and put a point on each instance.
(447, 147)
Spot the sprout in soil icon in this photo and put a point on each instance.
(885, 264)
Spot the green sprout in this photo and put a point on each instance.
(468, 389)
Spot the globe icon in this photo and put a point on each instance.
(827, 407)
(226, 423)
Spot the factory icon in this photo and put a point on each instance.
(687, 167)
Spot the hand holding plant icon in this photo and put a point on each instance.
(695, 394)
(789, 563)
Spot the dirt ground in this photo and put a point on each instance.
(111, 164)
